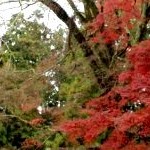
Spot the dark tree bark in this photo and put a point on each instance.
(88, 53)
(90, 12)
(77, 13)
(146, 15)
(90, 8)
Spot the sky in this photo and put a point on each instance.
(50, 19)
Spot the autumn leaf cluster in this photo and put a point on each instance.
(120, 119)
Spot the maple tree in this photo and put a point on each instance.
(124, 111)
(120, 118)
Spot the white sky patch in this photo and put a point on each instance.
(56, 88)
(40, 109)
(53, 82)
(49, 19)
(52, 47)
(48, 36)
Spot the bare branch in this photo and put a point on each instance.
(76, 11)
(14, 116)
(87, 51)
(9, 1)
(28, 5)
(21, 5)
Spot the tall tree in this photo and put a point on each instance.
(99, 56)
(23, 83)
(120, 120)
(94, 60)
(26, 42)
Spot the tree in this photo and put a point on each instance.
(122, 114)
(87, 51)
(78, 84)
(26, 42)
(31, 48)
(120, 118)
(106, 25)
(23, 84)
(109, 30)
(89, 13)
(99, 55)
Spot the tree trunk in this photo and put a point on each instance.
(78, 14)
(88, 52)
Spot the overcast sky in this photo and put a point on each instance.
(50, 19)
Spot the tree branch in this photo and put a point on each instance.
(87, 51)
(11, 1)
(76, 11)
(90, 8)
(20, 5)
(19, 118)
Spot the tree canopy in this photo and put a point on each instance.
(86, 87)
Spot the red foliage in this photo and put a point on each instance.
(37, 121)
(30, 144)
(115, 19)
(140, 56)
(115, 141)
(109, 35)
(124, 110)
(94, 125)
(133, 146)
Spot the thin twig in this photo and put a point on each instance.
(20, 5)
(14, 116)
(11, 1)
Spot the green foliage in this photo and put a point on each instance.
(80, 83)
(13, 132)
(3, 134)
(25, 46)
(71, 110)
(55, 141)
(25, 43)
(51, 98)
